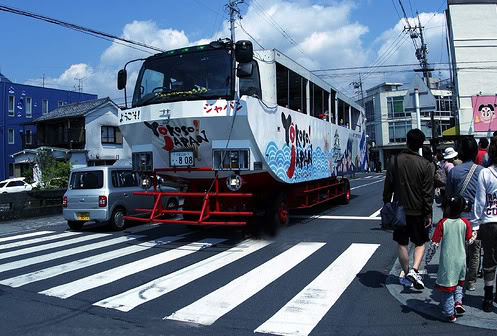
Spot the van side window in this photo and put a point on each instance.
(126, 178)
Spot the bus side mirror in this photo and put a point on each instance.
(122, 77)
(244, 52)
(244, 70)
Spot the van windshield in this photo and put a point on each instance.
(87, 180)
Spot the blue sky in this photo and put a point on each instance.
(333, 34)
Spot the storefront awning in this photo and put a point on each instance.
(451, 131)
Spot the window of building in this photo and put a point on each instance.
(111, 135)
(60, 103)
(444, 106)
(44, 106)
(11, 136)
(29, 107)
(398, 130)
(369, 107)
(12, 105)
(396, 107)
(29, 137)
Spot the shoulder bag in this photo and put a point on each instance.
(393, 215)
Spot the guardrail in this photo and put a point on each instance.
(33, 203)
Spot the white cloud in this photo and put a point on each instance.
(323, 36)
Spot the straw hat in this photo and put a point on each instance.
(449, 153)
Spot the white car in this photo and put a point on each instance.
(14, 185)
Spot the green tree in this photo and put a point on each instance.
(50, 172)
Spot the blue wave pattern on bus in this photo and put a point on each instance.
(279, 162)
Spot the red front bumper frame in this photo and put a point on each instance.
(205, 214)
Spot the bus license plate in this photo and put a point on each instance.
(83, 216)
(179, 159)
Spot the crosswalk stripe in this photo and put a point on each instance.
(166, 284)
(96, 280)
(45, 247)
(301, 314)
(26, 235)
(38, 240)
(51, 272)
(213, 306)
(65, 253)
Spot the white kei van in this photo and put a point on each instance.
(105, 194)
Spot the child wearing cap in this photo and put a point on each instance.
(452, 232)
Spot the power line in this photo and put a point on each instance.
(82, 29)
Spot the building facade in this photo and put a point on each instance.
(387, 121)
(472, 34)
(85, 133)
(20, 104)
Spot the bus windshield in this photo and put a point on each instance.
(188, 76)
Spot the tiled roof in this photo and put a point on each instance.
(4, 79)
(74, 110)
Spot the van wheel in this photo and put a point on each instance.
(117, 220)
(76, 225)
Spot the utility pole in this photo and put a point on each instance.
(234, 14)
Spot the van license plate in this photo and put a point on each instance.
(83, 216)
(184, 159)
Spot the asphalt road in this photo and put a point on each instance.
(325, 274)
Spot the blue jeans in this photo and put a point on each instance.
(449, 300)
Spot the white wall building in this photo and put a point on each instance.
(388, 123)
(472, 33)
(86, 134)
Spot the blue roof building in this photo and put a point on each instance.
(20, 105)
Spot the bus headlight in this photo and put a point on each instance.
(234, 182)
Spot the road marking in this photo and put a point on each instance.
(336, 217)
(64, 253)
(53, 245)
(213, 306)
(51, 272)
(96, 280)
(166, 284)
(302, 313)
(367, 184)
(38, 240)
(26, 235)
(376, 213)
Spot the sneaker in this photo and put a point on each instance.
(459, 308)
(415, 278)
(471, 286)
(406, 283)
(488, 306)
(452, 318)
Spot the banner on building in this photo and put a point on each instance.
(484, 109)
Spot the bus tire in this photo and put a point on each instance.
(277, 214)
(345, 198)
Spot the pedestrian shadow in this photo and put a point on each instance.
(373, 279)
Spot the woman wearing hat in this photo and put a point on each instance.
(449, 156)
